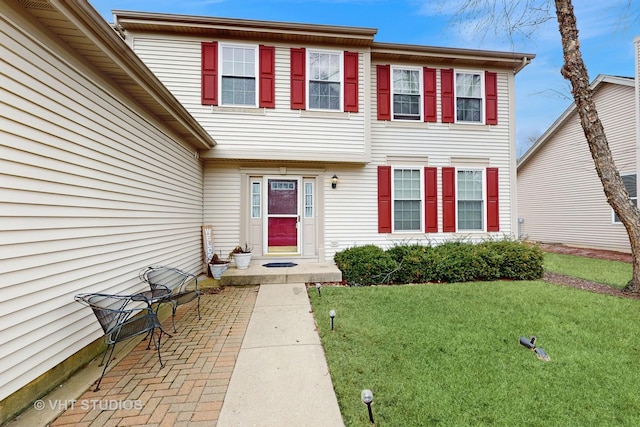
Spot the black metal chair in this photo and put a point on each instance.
(122, 317)
(183, 287)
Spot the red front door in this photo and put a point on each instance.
(282, 213)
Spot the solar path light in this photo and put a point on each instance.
(332, 315)
(367, 399)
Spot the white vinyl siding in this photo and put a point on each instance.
(92, 191)
(560, 197)
(267, 134)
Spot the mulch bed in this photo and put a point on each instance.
(582, 284)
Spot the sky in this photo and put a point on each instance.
(606, 30)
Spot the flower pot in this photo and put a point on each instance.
(218, 269)
(242, 260)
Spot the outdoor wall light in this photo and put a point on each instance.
(332, 315)
(318, 287)
(367, 399)
(334, 181)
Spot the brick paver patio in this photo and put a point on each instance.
(190, 388)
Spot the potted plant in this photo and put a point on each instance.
(242, 256)
(217, 266)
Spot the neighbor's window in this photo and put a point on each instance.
(630, 184)
(407, 202)
(238, 85)
(256, 199)
(325, 75)
(406, 94)
(469, 97)
(470, 200)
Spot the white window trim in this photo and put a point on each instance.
(221, 47)
(420, 93)
(308, 78)
(393, 199)
(484, 200)
(483, 100)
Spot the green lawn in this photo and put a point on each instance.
(449, 354)
(613, 273)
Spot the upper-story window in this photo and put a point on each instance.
(469, 97)
(238, 77)
(406, 94)
(325, 80)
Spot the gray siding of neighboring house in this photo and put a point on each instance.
(560, 197)
(91, 190)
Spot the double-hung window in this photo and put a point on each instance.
(238, 77)
(470, 196)
(325, 80)
(469, 97)
(630, 185)
(407, 199)
(406, 94)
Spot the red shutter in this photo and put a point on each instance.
(448, 199)
(491, 94)
(448, 102)
(298, 78)
(383, 74)
(351, 82)
(384, 199)
(267, 71)
(209, 69)
(430, 95)
(493, 214)
(431, 200)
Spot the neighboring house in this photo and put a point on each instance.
(110, 165)
(560, 197)
(99, 177)
(421, 139)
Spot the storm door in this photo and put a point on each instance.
(282, 215)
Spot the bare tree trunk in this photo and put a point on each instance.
(575, 71)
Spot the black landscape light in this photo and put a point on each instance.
(318, 287)
(332, 315)
(367, 399)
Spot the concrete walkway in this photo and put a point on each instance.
(239, 365)
(281, 376)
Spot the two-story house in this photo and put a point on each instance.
(329, 139)
(119, 143)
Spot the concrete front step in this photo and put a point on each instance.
(301, 273)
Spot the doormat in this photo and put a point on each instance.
(279, 264)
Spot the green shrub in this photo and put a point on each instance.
(416, 263)
(365, 265)
(455, 261)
